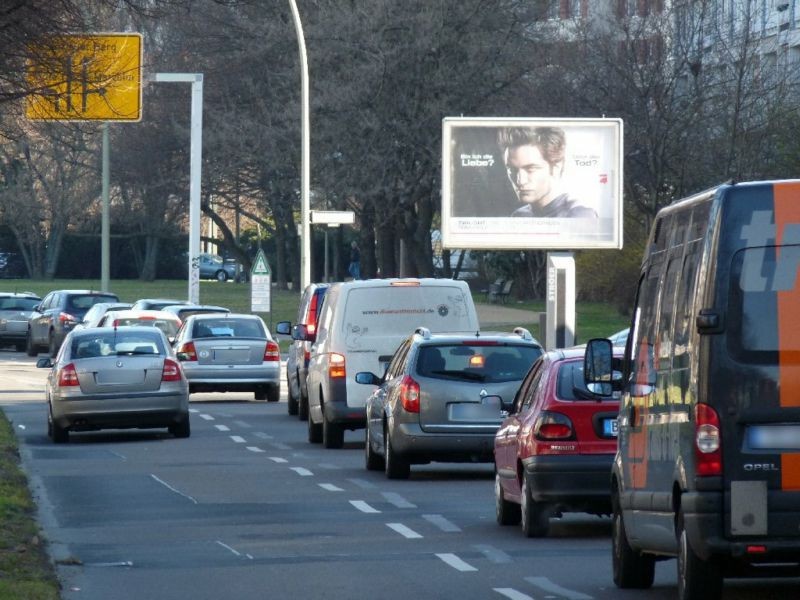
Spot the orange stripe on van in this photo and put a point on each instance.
(790, 472)
(787, 210)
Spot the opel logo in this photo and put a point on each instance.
(483, 393)
(119, 364)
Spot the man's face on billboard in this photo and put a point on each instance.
(531, 175)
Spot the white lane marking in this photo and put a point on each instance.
(329, 466)
(121, 563)
(544, 584)
(363, 484)
(397, 500)
(222, 427)
(229, 548)
(118, 454)
(512, 594)
(207, 417)
(262, 435)
(442, 523)
(238, 439)
(303, 472)
(330, 487)
(280, 446)
(406, 532)
(277, 459)
(364, 507)
(21, 427)
(495, 555)
(456, 563)
(242, 424)
(169, 487)
(254, 449)
(193, 410)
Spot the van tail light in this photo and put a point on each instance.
(68, 376)
(306, 355)
(336, 366)
(707, 441)
(409, 394)
(187, 351)
(171, 371)
(311, 329)
(272, 352)
(553, 426)
(67, 319)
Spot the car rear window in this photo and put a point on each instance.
(86, 301)
(570, 384)
(244, 328)
(120, 342)
(170, 328)
(18, 303)
(485, 363)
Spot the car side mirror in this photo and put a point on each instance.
(283, 327)
(367, 378)
(44, 363)
(300, 332)
(597, 367)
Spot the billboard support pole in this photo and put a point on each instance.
(105, 227)
(560, 331)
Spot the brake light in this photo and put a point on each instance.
(553, 426)
(171, 371)
(707, 441)
(68, 376)
(65, 318)
(306, 356)
(336, 367)
(311, 329)
(272, 352)
(188, 351)
(409, 394)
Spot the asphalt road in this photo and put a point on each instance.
(246, 508)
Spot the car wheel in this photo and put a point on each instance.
(273, 393)
(507, 513)
(49, 422)
(52, 348)
(181, 429)
(30, 348)
(697, 578)
(221, 276)
(60, 434)
(302, 406)
(631, 569)
(395, 466)
(260, 394)
(332, 433)
(314, 431)
(372, 460)
(292, 395)
(534, 517)
(20, 346)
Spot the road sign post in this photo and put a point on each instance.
(260, 284)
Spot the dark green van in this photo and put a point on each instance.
(708, 461)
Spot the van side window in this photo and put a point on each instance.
(643, 375)
(396, 366)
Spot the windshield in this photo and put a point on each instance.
(478, 362)
(115, 343)
(18, 303)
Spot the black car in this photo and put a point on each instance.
(58, 314)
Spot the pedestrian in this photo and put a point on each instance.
(355, 261)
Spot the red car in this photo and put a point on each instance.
(553, 453)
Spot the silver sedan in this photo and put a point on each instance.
(105, 378)
(230, 353)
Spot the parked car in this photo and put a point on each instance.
(156, 303)
(361, 325)
(15, 311)
(303, 335)
(230, 353)
(213, 266)
(620, 338)
(115, 379)
(441, 399)
(95, 314)
(554, 451)
(12, 266)
(165, 321)
(58, 314)
(184, 311)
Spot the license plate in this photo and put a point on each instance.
(610, 427)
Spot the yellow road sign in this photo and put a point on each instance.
(87, 78)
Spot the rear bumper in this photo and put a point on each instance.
(151, 410)
(232, 378)
(349, 417)
(416, 445)
(579, 479)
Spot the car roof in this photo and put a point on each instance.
(519, 334)
(173, 300)
(154, 314)
(19, 295)
(86, 292)
(578, 352)
(93, 331)
(230, 315)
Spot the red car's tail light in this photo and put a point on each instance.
(409, 394)
(272, 352)
(707, 441)
(171, 371)
(553, 426)
(65, 318)
(68, 376)
(188, 351)
(336, 367)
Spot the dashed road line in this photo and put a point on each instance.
(442, 523)
(364, 507)
(302, 471)
(254, 449)
(262, 435)
(193, 410)
(222, 427)
(330, 487)
(172, 489)
(456, 563)
(494, 555)
(406, 532)
(397, 500)
(238, 439)
(244, 424)
(207, 417)
(229, 548)
(362, 483)
(280, 446)
(512, 594)
(544, 584)
(277, 459)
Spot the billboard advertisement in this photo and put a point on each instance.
(549, 184)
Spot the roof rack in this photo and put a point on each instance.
(523, 333)
(424, 332)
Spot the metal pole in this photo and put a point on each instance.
(105, 227)
(305, 251)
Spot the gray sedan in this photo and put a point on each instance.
(15, 310)
(105, 378)
(230, 353)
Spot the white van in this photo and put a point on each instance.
(362, 324)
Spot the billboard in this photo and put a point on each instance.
(511, 184)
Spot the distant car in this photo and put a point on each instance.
(442, 397)
(15, 311)
(156, 303)
(303, 335)
(58, 314)
(620, 338)
(95, 314)
(553, 453)
(184, 311)
(12, 266)
(230, 353)
(165, 321)
(115, 379)
(213, 266)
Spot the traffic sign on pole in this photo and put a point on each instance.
(260, 284)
